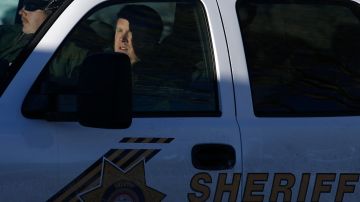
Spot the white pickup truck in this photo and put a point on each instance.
(238, 100)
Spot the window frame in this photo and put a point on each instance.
(150, 114)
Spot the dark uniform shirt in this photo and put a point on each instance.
(12, 42)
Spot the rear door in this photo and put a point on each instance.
(184, 134)
(297, 94)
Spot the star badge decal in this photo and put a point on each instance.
(118, 185)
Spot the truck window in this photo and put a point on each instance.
(19, 22)
(302, 56)
(169, 48)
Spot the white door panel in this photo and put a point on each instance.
(304, 149)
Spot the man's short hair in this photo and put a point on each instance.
(146, 26)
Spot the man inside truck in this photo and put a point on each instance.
(137, 32)
(13, 38)
(138, 29)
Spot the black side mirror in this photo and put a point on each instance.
(105, 91)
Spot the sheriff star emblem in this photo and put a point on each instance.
(118, 185)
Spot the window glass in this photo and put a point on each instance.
(302, 56)
(19, 21)
(168, 46)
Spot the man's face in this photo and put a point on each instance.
(123, 40)
(32, 20)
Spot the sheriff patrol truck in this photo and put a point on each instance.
(239, 100)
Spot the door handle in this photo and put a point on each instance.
(213, 156)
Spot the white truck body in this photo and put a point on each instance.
(64, 161)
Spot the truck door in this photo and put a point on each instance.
(296, 82)
(183, 143)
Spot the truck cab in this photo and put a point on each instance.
(180, 100)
